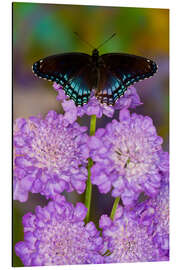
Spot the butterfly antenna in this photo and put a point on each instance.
(106, 40)
(83, 39)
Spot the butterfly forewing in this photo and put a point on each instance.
(129, 68)
(71, 71)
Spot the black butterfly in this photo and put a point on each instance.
(109, 74)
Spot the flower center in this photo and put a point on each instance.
(64, 243)
(123, 159)
(120, 158)
(54, 148)
(129, 245)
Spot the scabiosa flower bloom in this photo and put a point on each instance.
(50, 156)
(154, 213)
(126, 241)
(127, 157)
(56, 235)
(94, 107)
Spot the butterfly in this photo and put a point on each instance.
(109, 75)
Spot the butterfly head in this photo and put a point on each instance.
(95, 53)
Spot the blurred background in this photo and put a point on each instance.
(40, 30)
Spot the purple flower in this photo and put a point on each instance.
(154, 213)
(94, 107)
(125, 240)
(57, 235)
(128, 157)
(164, 167)
(50, 156)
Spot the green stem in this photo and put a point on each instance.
(93, 125)
(90, 163)
(114, 207)
(88, 190)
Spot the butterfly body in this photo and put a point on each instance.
(109, 75)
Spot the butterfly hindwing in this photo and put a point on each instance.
(71, 71)
(78, 87)
(109, 87)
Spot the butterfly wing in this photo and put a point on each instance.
(71, 71)
(118, 71)
(109, 87)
